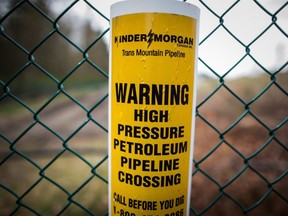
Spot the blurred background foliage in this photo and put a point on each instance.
(54, 54)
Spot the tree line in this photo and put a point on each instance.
(39, 51)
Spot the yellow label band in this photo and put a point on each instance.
(151, 101)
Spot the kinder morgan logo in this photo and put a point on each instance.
(151, 37)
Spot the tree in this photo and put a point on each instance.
(40, 42)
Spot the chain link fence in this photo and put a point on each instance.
(53, 110)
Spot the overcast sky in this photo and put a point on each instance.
(221, 51)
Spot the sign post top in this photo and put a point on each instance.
(150, 6)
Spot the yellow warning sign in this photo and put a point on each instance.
(151, 87)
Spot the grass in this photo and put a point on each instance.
(47, 198)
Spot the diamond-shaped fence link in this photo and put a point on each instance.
(53, 113)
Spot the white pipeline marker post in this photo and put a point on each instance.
(153, 65)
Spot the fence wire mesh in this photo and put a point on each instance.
(53, 109)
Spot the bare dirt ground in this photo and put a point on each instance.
(60, 120)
